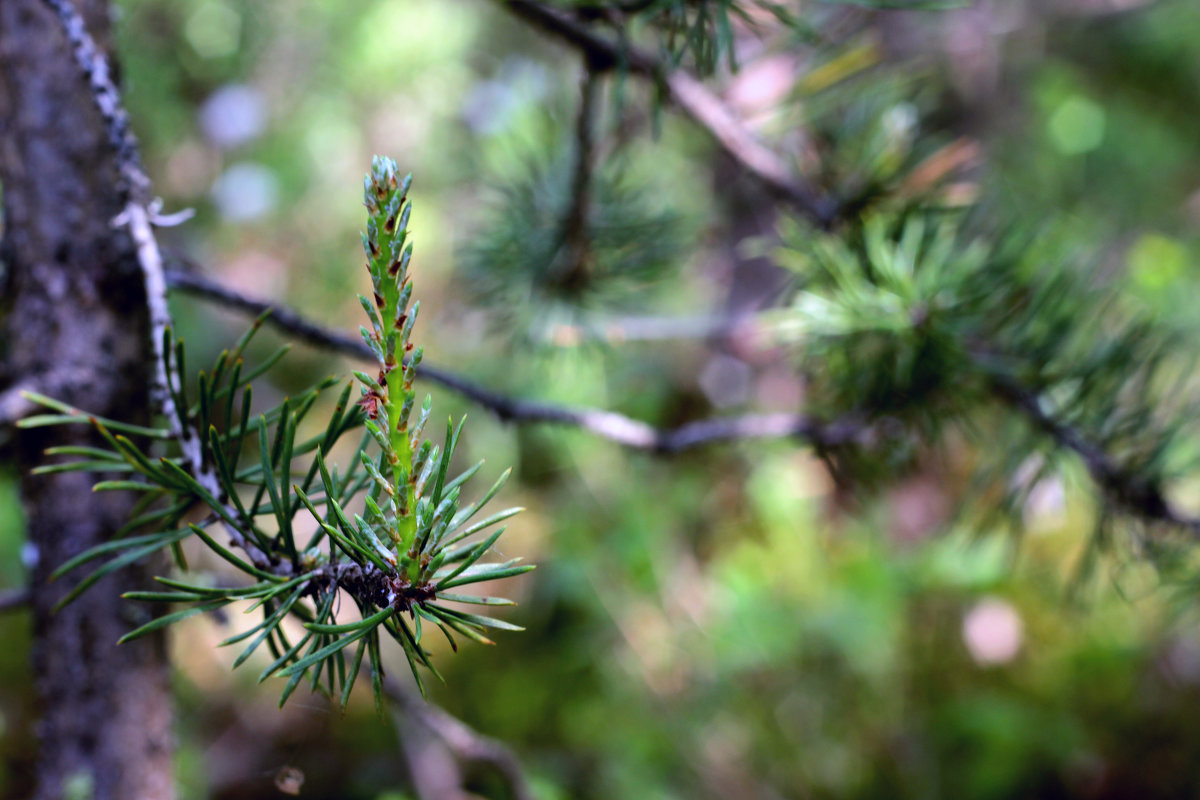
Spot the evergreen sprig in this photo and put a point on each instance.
(702, 33)
(521, 262)
(936, 323)
(402, 558)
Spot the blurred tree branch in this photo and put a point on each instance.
(1146, 501)
(466, 745)
(693, 98)
(609, 425)
(618, 330)
(576, 240)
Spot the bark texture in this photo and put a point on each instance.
(76, 328)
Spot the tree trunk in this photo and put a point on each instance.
(77, 329)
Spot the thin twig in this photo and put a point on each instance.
(1127, 491)
(693, 98)
(433, 771)
(132, 180)
(166, 382)
(576, 237)
(138, 214)
(467, 744)
(609, 425)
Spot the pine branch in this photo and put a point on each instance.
(1141, 498)
(609, 425)
(693, 98)
(1146, 502)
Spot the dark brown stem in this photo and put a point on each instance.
(576, 238)
(1126, 491)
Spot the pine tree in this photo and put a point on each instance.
(920, 313)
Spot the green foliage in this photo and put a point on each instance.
(401, 560)
(523, 262)
(886, 313)
(928, 320)
(701, 34)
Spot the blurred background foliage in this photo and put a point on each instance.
(738, 621)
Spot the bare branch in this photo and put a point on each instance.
(606, 424)
(282, 317)
(433, 771)
(1127, 491)
(166, 384)
(687, 92)
(466, 744)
